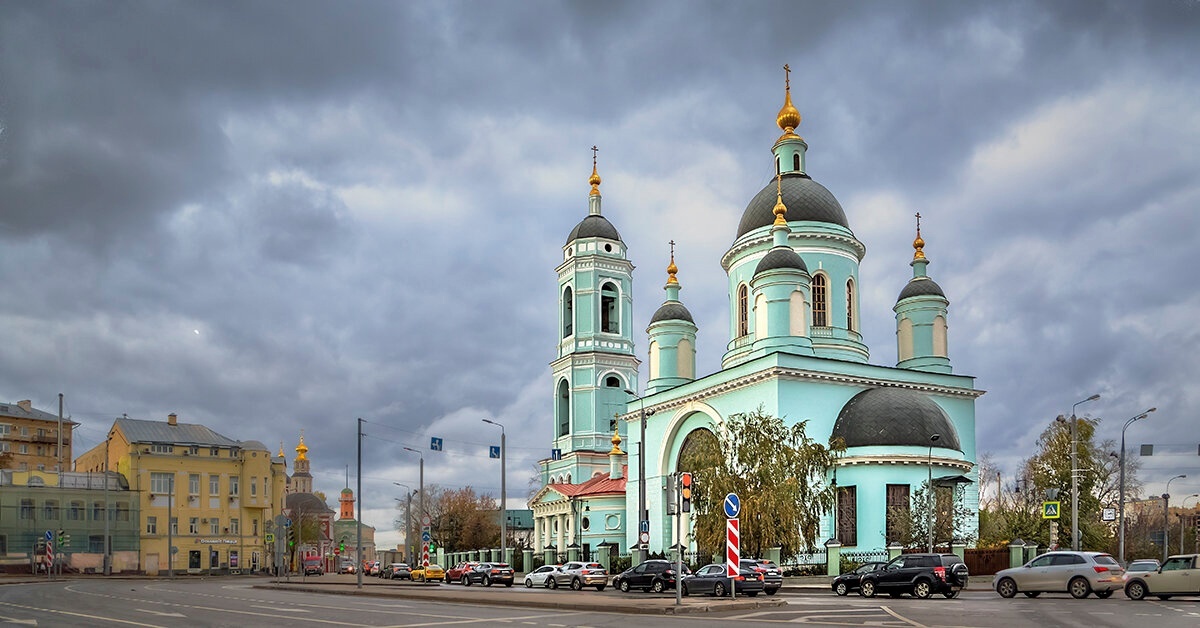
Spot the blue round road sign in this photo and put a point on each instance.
(733, 506)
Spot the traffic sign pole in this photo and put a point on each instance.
(732, 554)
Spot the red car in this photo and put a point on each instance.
(456, 573)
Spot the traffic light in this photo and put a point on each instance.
(432, 545)
(41, 545)
(685, 491)
(342, 546)
(66, 540)
(291, 536)
(59, 537)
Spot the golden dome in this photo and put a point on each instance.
(616, 441)
(301, 449)
(918, 243)
(780, 209)
(280, 449)
(789, 117)
(595, 178)
(672, 268)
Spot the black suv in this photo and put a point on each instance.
(652, 575)
(922, 575)
(772, 574)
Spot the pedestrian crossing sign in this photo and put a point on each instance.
(1051, 510)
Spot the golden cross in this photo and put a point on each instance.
(672, 243)
(594, 149)
(787, 76)
(918, 222)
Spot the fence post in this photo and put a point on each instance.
(1016, 553)
(833, 558)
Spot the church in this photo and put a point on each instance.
(795, 349)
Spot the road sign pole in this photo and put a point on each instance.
(733, 565)
(679, 541)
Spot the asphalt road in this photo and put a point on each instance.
(236, 602)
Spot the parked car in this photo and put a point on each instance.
(1180, 575)
(1077, 573)
(373, 568)
(456, 573)
(313, 566)
(540, 577)
(848, 581)
(922, 575)
(772, 573)
(1140, 565)
(488, 574)
(398, 571)
(432, 573)
(653, 575)
(577, 575)
(713, 579)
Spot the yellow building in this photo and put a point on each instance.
(207, 495)
(31, 437)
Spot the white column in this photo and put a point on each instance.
(537, 526)
(570, 529)
(562, 521)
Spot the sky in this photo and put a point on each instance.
(275, 218)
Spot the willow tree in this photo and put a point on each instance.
(777, 471)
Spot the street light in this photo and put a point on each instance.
(1181, 520)
(1075, 475)
(1167, 512)
(421, 490)
(643, 514)
(1121, 465)
(407, 520)
(929, 492)
(503, 503)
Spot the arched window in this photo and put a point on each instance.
(939, 337)
(796, 162)
(685, 359)
(820, 305)
(612, 381)
(850, 304)
(743, 317)
(761, 317)
(796, 314)
(563, 409)
(904, 340)
(568, 312)
(610, 317)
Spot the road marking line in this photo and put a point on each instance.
(281, 610)
(901, 618)
(98, 617)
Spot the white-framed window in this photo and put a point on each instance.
(194, 525)
(160, 448)
(235, 527)
(5, 429)
(234, 483)
(253, 487)
(194, 484)
(174, 525)
(151, 525)
(161, 483)
(820, 301)
(743, 310)
(850, 304)
(214, 526)
(610, 310)
(214, 485)
(568, 312)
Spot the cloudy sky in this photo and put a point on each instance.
(271, 217)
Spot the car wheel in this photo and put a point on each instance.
(1104, 595)
(951, 594)
(867, 589)
(508, 584)
(600, 587)
(552, 582)
(841, 589)
(683, 590)
(1032, 593)
(1006, 587)
(719, 589)
(1164, 597)
(752, 593)
(657, 586)
(771, 591)
(466, 582)
(1135, 591)
(624, 586)
(576, 584)
(528, 583)
(487, 581)
(1079, 588)
(922, 589)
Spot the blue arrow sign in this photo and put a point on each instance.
(644, 527)
(425, 536)
(556, 454)
(733, 506)
(49, 535)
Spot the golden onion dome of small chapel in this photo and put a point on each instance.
(789, 117)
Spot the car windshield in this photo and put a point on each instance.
(1143, 565)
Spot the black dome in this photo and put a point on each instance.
(594, 226)
(894, 416)
(918, 287)
(780, 257)
(805, 199)
(672, 311)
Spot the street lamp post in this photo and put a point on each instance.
(421, 484)
(1121, 466)
(503, 502)
(407, 521)
(1181, 519)
(643, 513)
(933, 438)
(1075, 475)
(1166, 514)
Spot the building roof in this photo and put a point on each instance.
(780, 257)
(894, 416)
(140, 431)
(598, 485)
(918, 286)
(307, 502)
(18, 410)
(805, 199)
(594, 226)
(672, 311)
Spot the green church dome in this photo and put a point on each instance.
(780, 257)
(894, 416)
(805, 199)
(919, 286)
(672, 311)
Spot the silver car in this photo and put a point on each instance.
(1077, 573)
(540, 577)
(577, 575)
